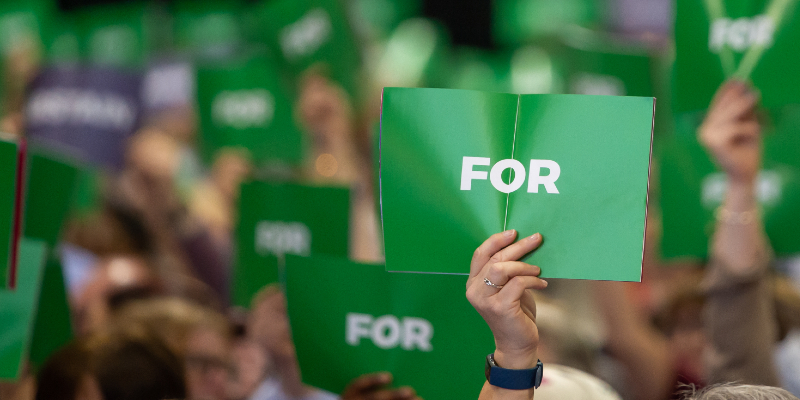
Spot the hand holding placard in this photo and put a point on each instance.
(511, 310)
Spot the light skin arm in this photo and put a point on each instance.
(732, 135)
(510, 311)
(739, 312)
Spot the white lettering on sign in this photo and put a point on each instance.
(83, 107)
(468, 174)
(741, 33)
(769, 187)
(306, 35)
(279, 238)
(243, 108)
(388, 331)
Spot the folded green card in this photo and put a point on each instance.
(580, 175)
(351, 319)
(280, 219)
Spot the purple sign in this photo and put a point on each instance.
(88, 111)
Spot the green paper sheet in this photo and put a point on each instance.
(50, 194)
(746, 39)
(18, 309)
(8, 195)
(280, 219)
(310, 33)
(244, 103)
(351, 319)
(580, 163)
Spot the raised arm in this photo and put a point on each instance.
(509, 310)
(739, 317)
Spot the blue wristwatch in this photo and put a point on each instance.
(515, 379)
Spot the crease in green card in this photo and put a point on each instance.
(279, 219)
(18, 309)
(458, 166)
(351, 319)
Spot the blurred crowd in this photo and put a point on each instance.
(148, 249)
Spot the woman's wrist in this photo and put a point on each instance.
(516, 359)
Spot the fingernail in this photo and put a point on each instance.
(384, 377)
(508, 233)
(406, 392)
(545, 282)
(536, 236)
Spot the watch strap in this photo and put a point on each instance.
(514, 379)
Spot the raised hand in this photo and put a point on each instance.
(731, 132)
(509, 310)
(374, 387)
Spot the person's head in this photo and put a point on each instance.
(732, 391)
(112, 365)
(198, 335)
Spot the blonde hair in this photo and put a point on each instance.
(172, 320)
(735, 391)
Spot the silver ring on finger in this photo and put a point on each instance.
(489, 283)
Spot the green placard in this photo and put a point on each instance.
(580, 164)
(208, 28)
(351, 319)
(415, 54)
(529, 69)
(50, 194)
(24, 25)
(522, 21)
(311, 33)
(52, 327)
(245, 104)
(377, 18)
(610, 71)
(280, 219)
(8, 196)
(746, 39)
(692, 188)
(115, 34)
(18, 309)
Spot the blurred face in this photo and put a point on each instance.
(207, 365)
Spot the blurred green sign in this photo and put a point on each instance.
(9, 163)
(310, 33)
(244, 103)
(18, 309)
(351, 319)
(692, 188)
(745, 39)
(280, 219)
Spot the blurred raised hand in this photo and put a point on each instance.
(731, 132)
